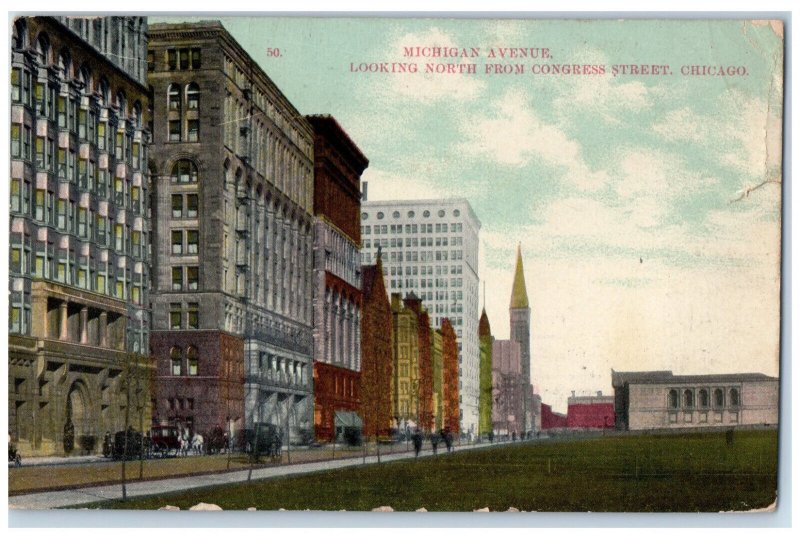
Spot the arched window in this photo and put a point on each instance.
(688, 398)
(184, 171)
(65, 65)
(136, 115)
(176, 359)
(703, 398)
(734, 394)
(20, 34)
(174, 97)
(43, 50)
(102, 90)
(191, 356)
(719, 398)
(85, 76)
(672, 400)
(122, 103)
(193, 96)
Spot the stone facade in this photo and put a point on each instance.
(450, 380)
(338, 165)
(520, 319)
(79, 266)
(430, 247)
(233, 227)
(377, 370)
(437, 383)
(661, 400)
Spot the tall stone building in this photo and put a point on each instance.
(520, 318)
(79, 267)
(507, 387)
(485, 400)
(377, 369)
(431, 249)
(425, 364)
(233, 223)
(437, 382)
(338, 165)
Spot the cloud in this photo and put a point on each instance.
(385, 185)
(511, 133)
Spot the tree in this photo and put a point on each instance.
(135, 386)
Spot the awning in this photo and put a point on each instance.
(346, 418)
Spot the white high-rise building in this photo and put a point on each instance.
(430, 247)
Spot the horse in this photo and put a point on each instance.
(197, 444)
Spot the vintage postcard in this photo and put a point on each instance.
(394, 264)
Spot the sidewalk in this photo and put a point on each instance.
(80, 496)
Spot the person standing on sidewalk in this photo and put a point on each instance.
(417, 440)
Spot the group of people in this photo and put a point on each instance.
(443, 435)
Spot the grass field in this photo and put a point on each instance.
(694, 472)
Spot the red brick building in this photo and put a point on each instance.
(595, 412)
(376, 353)
(425, 363)
(450, 376)
(338, 165)
(201, 385)
(551, 419)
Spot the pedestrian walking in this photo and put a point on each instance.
(417, 440)
(434, 441)
(448, 439)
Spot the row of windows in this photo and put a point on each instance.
(424, 270)
(417, 242)
(455, 282)
(411, 214)
(190, 95)
(185, 206)
(176, 133)
(420, 256)
(178, 59)
(428, 228)
(185, 242)
(686, 398)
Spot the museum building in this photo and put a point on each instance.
(661, 400)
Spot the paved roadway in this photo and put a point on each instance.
(86, 495)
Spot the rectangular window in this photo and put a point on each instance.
(177, 206)
(175, 316)
(101, 284)
(184, 58)
(151, 60)
(192, 277)
(174, 130)
(119, 237)
(101, 136)
(16, 85)
(119, 192)
(191, 206)
(135, 199)
(194, 130)
(38, 205)
(16, 140)
(119, 145)
(16, 195)
(26, 142)
(82, 278)
(135, 152)
(177, 278)
(195, 58)
(41, 162)
(193, 369)
(177, 242)
(193, 315)
(172, 59)
(176, 367)
(192, 241)
(62, 112)
(82, 124)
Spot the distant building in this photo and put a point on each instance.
(507, 387)
(376, 353)
(520, 317)
(660, 399)
(405, 365)
(430, 248)
(590, 412)
(485, 398)
(233, 225)
(450, 379)
(79, 263)
(437, 382)
(551, 419)
(425, 363)
(338, 164)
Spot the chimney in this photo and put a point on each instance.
(599, 393)
(364, 191)
(573, 393)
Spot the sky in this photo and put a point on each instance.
(647, 208)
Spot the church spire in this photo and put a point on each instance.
(519, 295)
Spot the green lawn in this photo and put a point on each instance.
(696, 472)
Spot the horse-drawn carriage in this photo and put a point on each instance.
(265, 439)
(167, 441)
(126, 444)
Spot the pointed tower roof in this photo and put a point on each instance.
(484, 330)
(519, 295)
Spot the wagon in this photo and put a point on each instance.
(166, 440)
